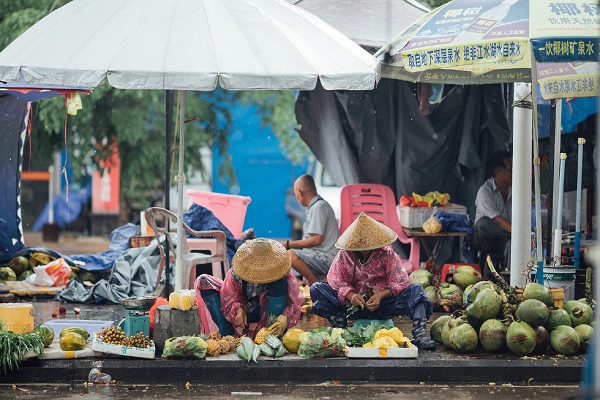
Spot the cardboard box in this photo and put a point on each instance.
(415, 217)
(123, 350)
(393, 352)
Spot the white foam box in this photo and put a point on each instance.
(415, 217)
(123, 350)
(392, 352)
(91, 326)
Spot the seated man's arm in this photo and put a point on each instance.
(311, 241)
(502, 222)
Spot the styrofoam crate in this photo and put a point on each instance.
(415, 217)
(123, 350)
(91, 326)
(392, 352)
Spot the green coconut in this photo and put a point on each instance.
(487, 305)
(478, 287)
(19, 264)
(586, 333)
(88, 276)
(557, 317)
(466, 275)
(435, 331)
(565, 340)
(447, 328)
(492, 335)
(463, 338)
(532, 311)
(430, 293)
(538, 292)
(521, 338)
(542, 338)
(451, 292)
(421, 277)
(580, 313)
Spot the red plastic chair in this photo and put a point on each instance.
(379, 203)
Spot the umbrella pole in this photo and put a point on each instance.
(179, 178)
(576, 249)
(536, 172)
(168, 156)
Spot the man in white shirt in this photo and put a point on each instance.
(493, 207)
(313, 254)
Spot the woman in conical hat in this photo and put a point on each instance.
(259, 288)
(370, 276)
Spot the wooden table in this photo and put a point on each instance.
(437, 239)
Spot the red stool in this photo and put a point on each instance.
(449, 269)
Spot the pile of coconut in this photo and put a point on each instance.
(499, 316)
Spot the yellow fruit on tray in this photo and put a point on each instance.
(261, 335)
(213, 349)
(174, 300)
(385, 342)
(71, 342)
(82, 332)
(291, 339)
(186, 302)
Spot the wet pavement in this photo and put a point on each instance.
(327, 390)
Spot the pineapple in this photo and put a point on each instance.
(233, 342)
(262, 334)
(224, 344)
(214, 349)
(214, 335)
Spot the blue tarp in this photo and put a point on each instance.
(65, 211)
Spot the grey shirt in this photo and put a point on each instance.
(320, 220)
(489, 202)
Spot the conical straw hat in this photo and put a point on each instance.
(365, 233)
(261, 261)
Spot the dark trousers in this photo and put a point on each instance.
(491, 236)
(326, 304)
(278, 288)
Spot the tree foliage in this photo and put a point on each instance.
(135, 119)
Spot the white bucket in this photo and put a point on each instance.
(563, 277)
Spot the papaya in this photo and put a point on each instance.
(45, 333)
(72, 341)
(80, 331)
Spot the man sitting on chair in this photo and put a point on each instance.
(370, 276)
(312, 255)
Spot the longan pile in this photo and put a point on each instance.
(115, 335)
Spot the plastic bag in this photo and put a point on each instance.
(185, 347)
(432, 225)
(454, 222)
(56, 273)
(322, 342)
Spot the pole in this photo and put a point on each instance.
(580, 143)
(180, 178)
(50, 195)
(536, 173)
(521, 185)
(168, 139)
(556, 253)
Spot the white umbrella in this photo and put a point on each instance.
(187, 45)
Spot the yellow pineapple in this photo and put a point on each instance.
(263, 333)
(224, 345)
(233, 342)
(214, 349)
(214, 335)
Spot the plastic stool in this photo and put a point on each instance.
(449, 269)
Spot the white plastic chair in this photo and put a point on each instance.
(212, 241)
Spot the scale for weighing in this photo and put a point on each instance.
(137, 318)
